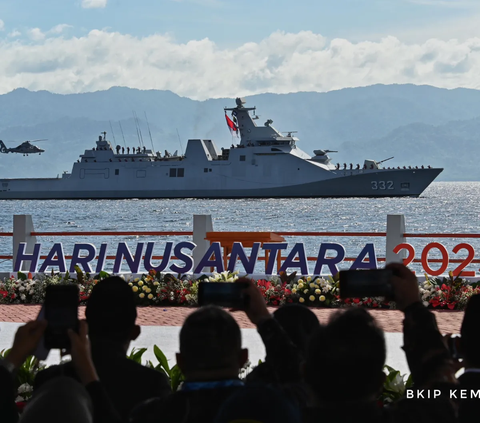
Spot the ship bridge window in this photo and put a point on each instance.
(177, 173)
(117, 171)
(205, 169)
(242, 158)
(275, 149)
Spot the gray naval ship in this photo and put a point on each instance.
(265, 164)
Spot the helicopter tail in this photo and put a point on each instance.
(3, 148)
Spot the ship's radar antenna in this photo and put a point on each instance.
(240, 101)
(289, 133)
(268, 122)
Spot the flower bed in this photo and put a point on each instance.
(162, 289)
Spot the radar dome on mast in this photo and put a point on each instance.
(240, 101)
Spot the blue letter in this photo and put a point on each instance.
(274, 247)
(123, 251)
(83, 261)
(214, 249)
(188, 260)
(57, 250)
(330, 262)
(148, 257)
(22, 256)
(299, 249)
(369, 250)
(102, 255)
(239, 252)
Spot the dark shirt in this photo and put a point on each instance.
(196, 406)
(125, 382)
(8, 410)
(469, 408)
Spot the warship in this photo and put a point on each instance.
(264, 164)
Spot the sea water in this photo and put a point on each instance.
(445, 207)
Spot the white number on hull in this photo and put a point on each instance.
(382, 185)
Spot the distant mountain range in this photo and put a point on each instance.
(415, 124)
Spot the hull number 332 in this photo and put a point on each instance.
(382, 185)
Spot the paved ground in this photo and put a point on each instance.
(390, 320)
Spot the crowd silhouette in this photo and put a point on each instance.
(323, 372)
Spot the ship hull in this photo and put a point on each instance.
(344, 183)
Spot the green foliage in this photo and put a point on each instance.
(395, 385)
(174, 373)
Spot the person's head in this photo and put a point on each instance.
(299, 322)
(469, 345)
(345, 358)
(111, 312)
(61, 399)
(211, 345)
(258, 404)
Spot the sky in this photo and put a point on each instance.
(221, 48)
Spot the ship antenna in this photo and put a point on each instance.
(139, 134)
(180, 141)
(121, 130)
(149, 133)
(113, 134)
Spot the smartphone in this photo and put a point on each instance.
(452, 346)
(366, 283)
(61, 313)
(223, 294)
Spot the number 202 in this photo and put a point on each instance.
(445, 258)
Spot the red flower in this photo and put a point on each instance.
(356, 300)
(3, 293)
(20, 406)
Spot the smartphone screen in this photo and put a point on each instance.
(61, 313)
(365, 283)
(223, 294)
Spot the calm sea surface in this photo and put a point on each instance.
(448, 207)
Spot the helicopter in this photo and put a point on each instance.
(25, 148)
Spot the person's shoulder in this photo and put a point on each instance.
(53, 371)
(143, 371)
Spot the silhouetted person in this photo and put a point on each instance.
(469, 348)
(210, 358)
(128, 150)
(118, 149)
(123, 150)
(111, 315)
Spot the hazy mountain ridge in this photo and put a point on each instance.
(416, 124)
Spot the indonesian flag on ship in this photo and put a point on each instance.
(231, 125)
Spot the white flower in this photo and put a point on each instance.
(318, 291)
(306, 291)
(309, 278)
(21, 289)
(321, 298)
(426, 303)
(24, 388)
(300, 285)
(23, 297)
(31, 292)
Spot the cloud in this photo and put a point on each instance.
(36, 34)
(94, 4)
(199, 69)
(58, 29)
(2, 25)
(14, 34)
